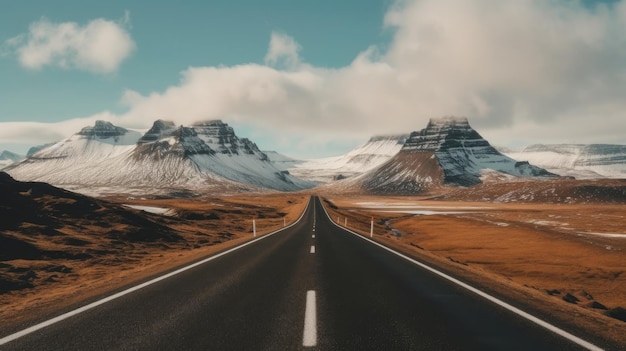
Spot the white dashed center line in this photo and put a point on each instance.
(309, 338)
(312, 248)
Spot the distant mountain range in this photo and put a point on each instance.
(204, 156)
(209, 156)
(577, 160)
(376, 151)
(7, 158)
(447, 152)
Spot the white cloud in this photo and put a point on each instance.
(557, 66)
(283, 51)
(502, 60)
(36, 133)
(536, 71)
(99, 47)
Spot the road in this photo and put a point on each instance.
(312, 284)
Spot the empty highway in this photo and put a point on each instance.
(310, 286)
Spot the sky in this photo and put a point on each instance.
(316, 78)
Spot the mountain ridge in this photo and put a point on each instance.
(8, 158)
(585, 161)
(204, 155)
(209, 155)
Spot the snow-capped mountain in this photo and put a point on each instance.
(577, 160)
(447, 151)
(7, 158)
(376, 151)
(463, 154)
(204, 155)
(35, 149)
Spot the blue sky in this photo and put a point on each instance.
(172, 36)
(342, 70)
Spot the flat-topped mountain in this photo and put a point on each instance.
(463, 154)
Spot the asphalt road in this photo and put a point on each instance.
(311, 284)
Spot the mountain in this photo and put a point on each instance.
(206, 155)
(463, 154)
(8, 158)
(447, 151)
(577, 160)
(35, 149)
(376, 151)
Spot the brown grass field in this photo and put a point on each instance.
(538, 254)
(207, 225)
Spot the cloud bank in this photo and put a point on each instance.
(98, 47)
(522, 71)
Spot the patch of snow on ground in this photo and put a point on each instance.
(425, 213)
(155, 210)
(402, 206)
(550, 223)
(606, 235)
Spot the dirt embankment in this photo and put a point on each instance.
(567, 262)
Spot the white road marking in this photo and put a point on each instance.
(571, 337)
(313, 236)
(312, 248)
(309, 337)
(80, 310)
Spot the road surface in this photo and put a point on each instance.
(311, 286)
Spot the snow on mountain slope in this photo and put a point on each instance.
(7, 158)
(577, 160)
(203, 156)
(104, 140)
(282, 162)
(35, 149)
(239, 159)
(376, 151)
(463, 153)
(82, 158)
(447, 151)
(92, 158)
